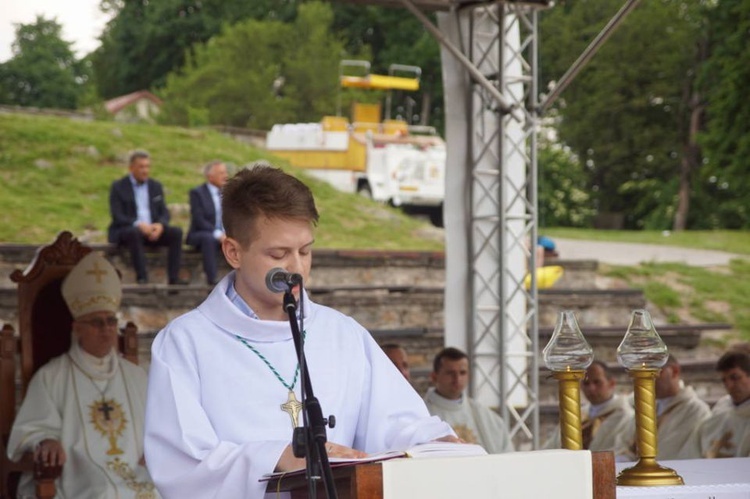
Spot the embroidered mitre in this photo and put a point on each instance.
(92, 286)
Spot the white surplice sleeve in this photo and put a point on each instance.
(38, 417)
(183, 453)
(393, 416)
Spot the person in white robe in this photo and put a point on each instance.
(727, 432)
(473, 422)
(607, 420)
(679, 411)
(224, 382)
(84, 410)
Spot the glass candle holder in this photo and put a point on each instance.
(643, 353)
(567, 355)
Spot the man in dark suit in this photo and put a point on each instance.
(140, 218)
(206, 229)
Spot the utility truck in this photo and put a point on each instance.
(386, 160)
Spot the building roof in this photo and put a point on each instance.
(118, 103)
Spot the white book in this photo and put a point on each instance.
(427, 450)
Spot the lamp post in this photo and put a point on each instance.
(567, 355)
(642, 352)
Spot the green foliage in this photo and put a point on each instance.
(725, 79)
(43, 71)
(291, 75)
(563, 199)
(624, 115)
(710, 295)
(45, 159)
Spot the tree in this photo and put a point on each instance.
(146, 40)
(43, 71)
(290, 76)
(725, 78)
(625, 114)
(562, 196)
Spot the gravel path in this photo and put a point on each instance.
(633, 253)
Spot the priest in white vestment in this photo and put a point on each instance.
(473, 422)
(84, 410)
(679, 411)
(727, 432)
(224, 382)
(607, 421)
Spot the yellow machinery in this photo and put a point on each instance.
(387, 160)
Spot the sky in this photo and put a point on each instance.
(81, 21)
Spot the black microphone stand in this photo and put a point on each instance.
(309, 440)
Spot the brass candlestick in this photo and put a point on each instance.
(643, 353)
(569, 393)
(567, 355)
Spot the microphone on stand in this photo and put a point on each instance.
(279, 280)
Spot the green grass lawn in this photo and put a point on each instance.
(56, 174)
(732, 241)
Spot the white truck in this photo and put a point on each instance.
(387, 161)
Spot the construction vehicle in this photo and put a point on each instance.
(386, 160)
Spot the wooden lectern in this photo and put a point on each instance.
(365, 481)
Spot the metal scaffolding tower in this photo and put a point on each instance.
(499, 223)
(489, 54)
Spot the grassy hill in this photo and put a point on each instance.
(56, 174)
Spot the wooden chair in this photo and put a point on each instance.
(43, 324)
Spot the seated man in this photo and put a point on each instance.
(727, 433)
(140, 217)
(679, 411)
(472, 422)
(206, 228)
(85, 409)
(606, 424)
(398, 356)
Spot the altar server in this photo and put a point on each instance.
(473, 422)
(679, 411)
(727, 433)
(224, 385)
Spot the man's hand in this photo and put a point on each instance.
(451, 438)
(287, 461)
(155, 232)
(336, 450)
(49, 452)
(145, 229)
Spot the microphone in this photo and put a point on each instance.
(279, 280)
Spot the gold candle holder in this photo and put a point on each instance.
(567, 355)
(569, 392)
(647, 471)
(643, 353)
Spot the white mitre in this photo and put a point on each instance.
(92, 286)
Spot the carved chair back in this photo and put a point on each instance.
(44, 325)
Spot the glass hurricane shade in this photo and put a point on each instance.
(567, 349)
(642, 347)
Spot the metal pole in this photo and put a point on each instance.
(587, 54)
(475, 73)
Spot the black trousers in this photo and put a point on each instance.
(206, 243)
(136, 243)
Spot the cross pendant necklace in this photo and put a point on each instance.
(103, 406)
(292, 406)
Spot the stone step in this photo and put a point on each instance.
(330, 267)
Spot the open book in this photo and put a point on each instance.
(428, 450)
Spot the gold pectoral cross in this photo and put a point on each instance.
(292, 407)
